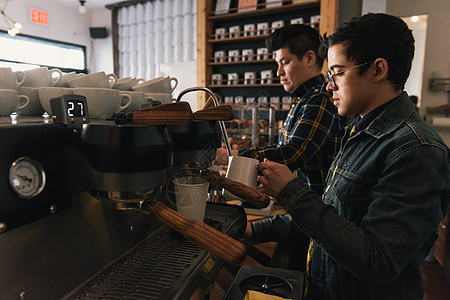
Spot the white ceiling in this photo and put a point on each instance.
(90, 4)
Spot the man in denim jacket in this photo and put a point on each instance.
(388, 187)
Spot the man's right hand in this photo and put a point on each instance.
(222, 156)
(274, 177)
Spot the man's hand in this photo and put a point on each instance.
(222, 156)
(274, 177)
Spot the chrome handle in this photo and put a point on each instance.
(216, 103)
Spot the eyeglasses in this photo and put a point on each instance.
(329, 77)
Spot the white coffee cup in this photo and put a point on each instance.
(46, 93)
(11, 101)
(157, 85)
(94, 80)
(34, 108)
(191, 193)
(164, 98)
(64, 82)
(125, 84)
(9, 80)
(103, 103)
(249, 77)
(40, 77)
(138, 99)
(244, 170)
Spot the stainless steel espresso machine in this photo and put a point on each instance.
(85, 207)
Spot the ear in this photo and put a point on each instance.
(381, 69)
(309, 57)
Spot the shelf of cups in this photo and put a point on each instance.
(249, 59)
(248, 107)
(285, 5)
(240, 36)
(226, 37)
(241, 83)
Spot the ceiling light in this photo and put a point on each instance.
(82, 9)
(13, 27)
(414, 19)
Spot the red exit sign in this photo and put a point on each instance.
(39, 17)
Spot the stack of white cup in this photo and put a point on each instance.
(138, 99)
(158, 89)
(33, 81)
(29, 92)
(102, 99)
(10, 100)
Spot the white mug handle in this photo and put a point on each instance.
(19, 82)
(129, 100)
(152, 101)
(147, 102)
(27, 101)
(112, 79)
(176, 83)
(55, 81)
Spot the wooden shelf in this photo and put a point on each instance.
(238, 39)
(208, 43)
(247, 107)
(262, 11)
(242, 38)
(261, 108)
(244, 85)
(242, 62)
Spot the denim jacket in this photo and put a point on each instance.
(387, 191)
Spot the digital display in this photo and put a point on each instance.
(75, 108)
(70, 110)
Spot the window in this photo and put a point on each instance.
(25, 52)
(149, 34)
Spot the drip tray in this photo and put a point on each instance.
(155, 269)
(164, 266)
(271, 281)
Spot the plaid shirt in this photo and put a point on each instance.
(310, 136)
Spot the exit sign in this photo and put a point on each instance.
(39, 17)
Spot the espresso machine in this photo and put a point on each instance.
(85, 207)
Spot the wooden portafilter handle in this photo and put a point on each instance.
(200, 234)
(246, 193)
(217, 113)
(178, 113)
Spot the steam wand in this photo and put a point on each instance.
(216, 103)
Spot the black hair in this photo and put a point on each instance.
(375, 36)
(298, 38)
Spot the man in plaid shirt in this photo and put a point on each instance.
(311, 133)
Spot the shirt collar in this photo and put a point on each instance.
(384, 120)
(304, 89)
(362, 123)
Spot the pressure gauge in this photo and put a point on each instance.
(27, 177)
